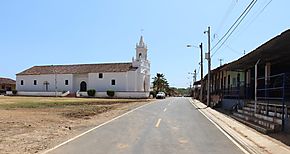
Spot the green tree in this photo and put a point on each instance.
(160, 83)
(172, 91)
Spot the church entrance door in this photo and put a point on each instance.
(83, 86)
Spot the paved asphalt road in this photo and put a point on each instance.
(170, 126)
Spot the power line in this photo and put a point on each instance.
(263, 9)
(231, 49)
(235, 27)
(241, 16)
(254, 18)
(221, 60)
(229, 10)
(235, 51)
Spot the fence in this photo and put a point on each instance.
(237, 92)
(272, 88)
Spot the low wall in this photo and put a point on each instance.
(117, 94)
(84, 94)
(25, 93)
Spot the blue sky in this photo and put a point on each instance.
(46, 32)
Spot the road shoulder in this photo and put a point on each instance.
(251, 140)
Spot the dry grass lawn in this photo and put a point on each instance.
(33, 124)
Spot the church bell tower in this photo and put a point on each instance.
(141, 50)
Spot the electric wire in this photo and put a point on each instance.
(238, 19)
(234, 28)
(253, 19)
(229, 10)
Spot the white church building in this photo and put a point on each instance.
(128, 80)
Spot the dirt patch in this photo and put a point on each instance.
(87, 112)
(33, 130)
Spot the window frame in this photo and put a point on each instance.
(34, 82)
(101, 75)
(113, 82)
(66, 82)
(21, 82)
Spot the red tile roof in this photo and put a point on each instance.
(79, 69)
(7, 81)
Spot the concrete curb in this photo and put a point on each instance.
(248, 138)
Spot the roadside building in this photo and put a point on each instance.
(7, 84)
(130, 79)
(256, 85)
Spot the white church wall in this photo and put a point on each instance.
(147, 82)
(140, 78)
(77, 79)
(143, 75)
(132, 79)
(118, 94)
(28, 93)
(140, 82)
(104, 84)
(61, 82)
(28, 82)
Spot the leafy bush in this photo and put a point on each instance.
(2, 91)
(14, 92)
(111, 93)
(91, 92)
(153, 93)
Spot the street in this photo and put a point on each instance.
(167, 126)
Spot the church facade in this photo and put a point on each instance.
(126, 78)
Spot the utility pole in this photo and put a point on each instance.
(194, 76)
(190, 90)
(193, 87)
(209, 69)
(220, 61)
(201, 71)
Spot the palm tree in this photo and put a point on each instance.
(160, 83)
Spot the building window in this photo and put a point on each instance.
(35, 82)
(100, 75)
(113, 82)
(21, 82)
(234, 82)
(66, 82)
